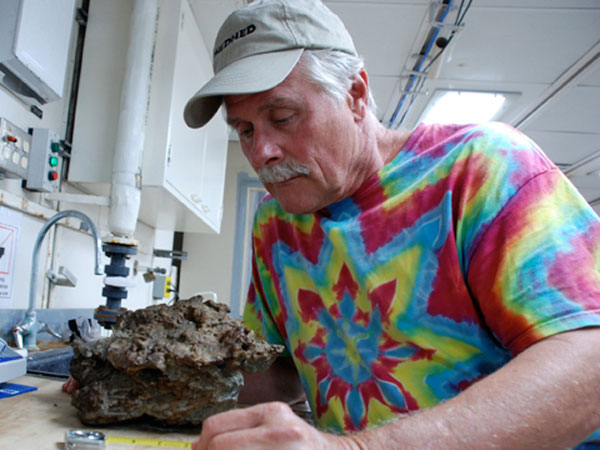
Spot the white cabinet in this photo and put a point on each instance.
(183, 170)
(34, 48)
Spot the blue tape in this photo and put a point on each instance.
(11, 389)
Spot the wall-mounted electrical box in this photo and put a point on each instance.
(15, 146)
(34, 157)
(44, 161)
(34, 47)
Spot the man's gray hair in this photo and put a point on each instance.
(333, 71)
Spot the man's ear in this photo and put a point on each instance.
(358, 95)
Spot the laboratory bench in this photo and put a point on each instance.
(38, 420)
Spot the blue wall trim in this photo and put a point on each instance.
(244, 183)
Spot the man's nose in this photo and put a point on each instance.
(265, 150)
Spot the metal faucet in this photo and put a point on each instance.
(25, 332)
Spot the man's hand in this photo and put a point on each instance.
(265, 426)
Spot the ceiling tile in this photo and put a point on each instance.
(568, 4)
(577, 110)
(383, 33)
(590, 195)
(565, 148)
(593, 77)
(521, 44)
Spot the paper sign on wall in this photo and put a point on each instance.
(10, 222)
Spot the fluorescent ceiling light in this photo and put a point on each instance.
(448, 106)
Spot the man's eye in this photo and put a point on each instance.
(245, 132)
(282, 120)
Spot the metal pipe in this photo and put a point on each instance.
(38, 242)
(29, 326)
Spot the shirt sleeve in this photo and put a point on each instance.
(535, 270)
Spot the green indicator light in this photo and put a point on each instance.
(55, 147)
(53, 161)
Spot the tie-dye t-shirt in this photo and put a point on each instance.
(460, 253)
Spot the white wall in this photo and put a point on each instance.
(210, 257)
(70, 248)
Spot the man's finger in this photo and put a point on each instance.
(264, 437)
(237, 419)
(70, 386)
(233, 421)
(247, 439)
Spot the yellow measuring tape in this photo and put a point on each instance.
(146, 441)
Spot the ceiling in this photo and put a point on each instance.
(546, 53)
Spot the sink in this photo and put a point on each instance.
(55, 362)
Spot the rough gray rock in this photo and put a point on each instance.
(174, 365)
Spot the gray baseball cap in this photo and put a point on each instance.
(259, 45)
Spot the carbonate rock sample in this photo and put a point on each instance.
(173, 365)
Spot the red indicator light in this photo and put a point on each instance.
(53, 175)
(11, 139)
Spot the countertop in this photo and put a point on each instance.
(38, 420)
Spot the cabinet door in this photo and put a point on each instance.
(185, 146)
(213, 177)
(196, 157)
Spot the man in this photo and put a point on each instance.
(434, 289)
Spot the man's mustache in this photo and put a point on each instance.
(282, 172)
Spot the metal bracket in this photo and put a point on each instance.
(173, 254)
(78, 198)
(448, 26)
(407, 92)
(435, 8)
(150, 273)
(67, 278)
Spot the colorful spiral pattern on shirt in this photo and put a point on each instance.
(463, 251)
